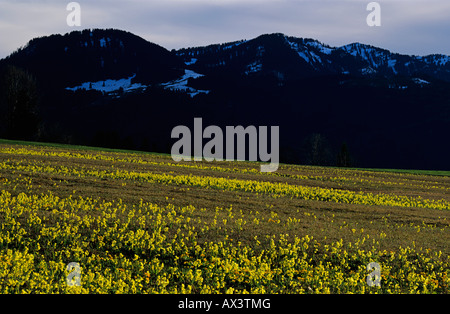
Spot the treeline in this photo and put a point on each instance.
(19, 104)
(22, 118)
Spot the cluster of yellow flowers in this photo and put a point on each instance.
(276, 189)
(148, 248)
(339, 176)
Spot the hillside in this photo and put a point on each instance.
(59, 61)
(114, 89)
(138, 222)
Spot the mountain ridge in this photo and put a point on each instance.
(115, 89)
(102, 58)
(100, 53)
(334, 60)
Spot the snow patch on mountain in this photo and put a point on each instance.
(191, 62)
(181, 84)
(103, 43)
(235, 44)
(303, 55)
(367, 71)
(114, 86)
(350, 49)
(375, 57)
(309, 56)
(322, 48)
(441, 60)
(315, 57)
(420, 81)
(110, 86)
(391, 64)
(253, 67)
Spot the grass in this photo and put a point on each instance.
(103, 149)
(419, 172)
(93, 189)
(76, 147)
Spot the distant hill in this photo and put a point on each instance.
(63, 60)
(112, 88)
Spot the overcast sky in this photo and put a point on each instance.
(418, 27)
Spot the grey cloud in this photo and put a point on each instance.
(412, 27)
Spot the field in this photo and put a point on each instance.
(141, 223)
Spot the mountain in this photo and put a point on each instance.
(94, 55)
(295, 58)
(113, 88)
